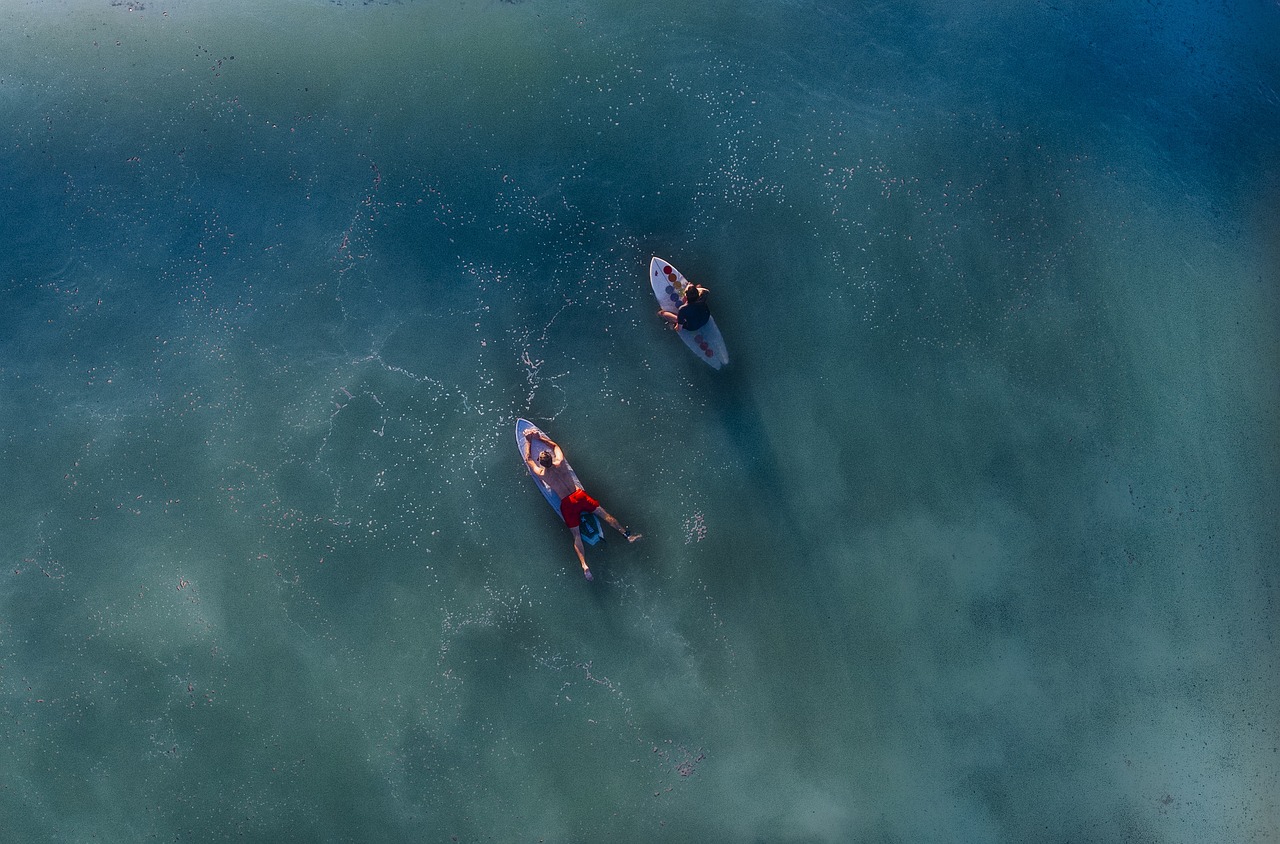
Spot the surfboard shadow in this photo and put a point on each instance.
(759, 454)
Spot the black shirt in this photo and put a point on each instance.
(693, 315)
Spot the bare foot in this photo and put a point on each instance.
(586, 572)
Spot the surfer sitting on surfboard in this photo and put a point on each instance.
(574, 501)
(694, 313)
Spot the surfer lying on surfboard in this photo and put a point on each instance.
(574, 500)
(694, 313)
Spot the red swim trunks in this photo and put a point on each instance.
(574, 505)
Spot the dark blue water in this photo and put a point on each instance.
(975, 539)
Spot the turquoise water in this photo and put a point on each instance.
(975, 539)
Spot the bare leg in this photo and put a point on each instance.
(582, 557)
(669, 317)
(613, 523)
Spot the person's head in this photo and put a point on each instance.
(545, 459)
(692, 294)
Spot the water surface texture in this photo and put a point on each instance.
(976, 538)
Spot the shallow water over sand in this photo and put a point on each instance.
(974, 540)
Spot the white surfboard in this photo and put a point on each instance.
(668, 286)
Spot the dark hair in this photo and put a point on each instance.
(691, 293)
(546, 458)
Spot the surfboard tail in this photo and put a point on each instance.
(590, 529)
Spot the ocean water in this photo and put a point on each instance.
(975, 540)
